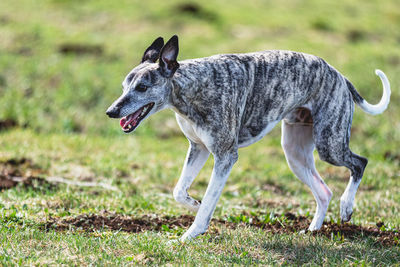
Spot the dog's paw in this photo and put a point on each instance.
(192, 233)
(346, 217)
(346, 210)
(186, 200)
(314, 227)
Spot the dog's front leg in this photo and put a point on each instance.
(222, 168)
(196, 157)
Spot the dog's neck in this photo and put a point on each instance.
(186, 87)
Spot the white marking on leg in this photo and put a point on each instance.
(222, 168)
(347, 199)
(196, 157)
(298, 146)
(322, 195)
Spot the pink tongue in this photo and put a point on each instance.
(125, 121)
(122, 121)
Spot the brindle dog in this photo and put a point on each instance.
(225, 102)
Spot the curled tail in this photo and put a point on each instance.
(367, 107)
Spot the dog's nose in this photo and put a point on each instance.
(112, 113)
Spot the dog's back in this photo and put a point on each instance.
(248, 92)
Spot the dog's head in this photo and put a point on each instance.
(146, 89)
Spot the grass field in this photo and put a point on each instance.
(61, 66)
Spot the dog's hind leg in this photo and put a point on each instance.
(339, 154)
(297, 142)
(331, 138)
(357, 165)
(196, 157)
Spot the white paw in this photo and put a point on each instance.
(345, 213)
(346, 210)
(314, 226)
(186, 200)
(317, 222)
(192, 232)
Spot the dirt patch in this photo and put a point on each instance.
(7, 124)
(196, 11)
(321, 24)
(392, 157)
(117, 222)
(21, 167)
(329, 229)
(3, 81)
(80, 49)
(356, 35)
(289, 223)
(14, 172)
(4, 19)
(351, 231)
(272, 187)
(20, 171)
(7, 182)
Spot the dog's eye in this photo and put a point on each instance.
(141, 88)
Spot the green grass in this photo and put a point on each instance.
(59, 101)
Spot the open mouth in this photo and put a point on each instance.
(130, 122)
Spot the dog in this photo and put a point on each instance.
(228, 101)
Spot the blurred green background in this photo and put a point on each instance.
(62, 62)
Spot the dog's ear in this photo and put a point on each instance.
(153, 51)
(169, 53)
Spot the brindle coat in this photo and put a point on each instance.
(224, 102)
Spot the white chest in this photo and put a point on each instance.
(188, 129)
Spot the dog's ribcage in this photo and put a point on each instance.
(243, 94)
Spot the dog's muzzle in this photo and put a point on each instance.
(112, 112)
